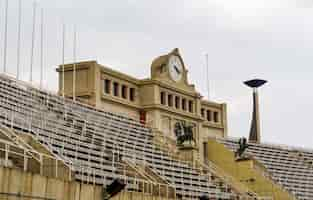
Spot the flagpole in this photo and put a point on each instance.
(41, 48)
(207, 75)
(74, 65)
(33, 41)
(19, 39)
(63, 54)
(5, 37)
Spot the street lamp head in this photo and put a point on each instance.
(255, 83)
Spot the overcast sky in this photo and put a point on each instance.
(269, 39)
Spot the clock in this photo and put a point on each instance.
(175, 68)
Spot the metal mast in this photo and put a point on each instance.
(63, 54)
(33, 41)
(41, 48)
(207, 74)
(74, 65)
(255, 132)
(5, 37)
(19, 39)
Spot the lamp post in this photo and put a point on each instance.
(255, 134)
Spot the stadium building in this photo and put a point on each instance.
(106, 135)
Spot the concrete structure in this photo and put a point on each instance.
(248, 172)
(123, 128)
(160, 101)
(99, 146)
(287, 167)
(255, 132)
(16, 184)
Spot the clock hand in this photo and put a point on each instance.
(177, 70)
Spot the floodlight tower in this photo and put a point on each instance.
(255, 134)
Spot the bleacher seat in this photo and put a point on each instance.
(94, 143)
(288, 166)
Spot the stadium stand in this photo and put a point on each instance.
(100, 146)
(288, 166)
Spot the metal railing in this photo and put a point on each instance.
(259, 167)
(53, 121)
(85, 172)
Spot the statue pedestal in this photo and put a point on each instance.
(188, 153)
(244, 157)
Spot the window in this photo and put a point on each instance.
(208, 115)
(162, 98)
(183, 104)
(107, 86)
(202, 112)
(163, 68)
(132, 94)
(177, 102)
(205, 151)
(124, 91)
(116, 89)
(190, 106)
(170, 100)
(215, 116)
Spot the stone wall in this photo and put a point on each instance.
(15, 181)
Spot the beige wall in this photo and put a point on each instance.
(116, 107)
(149, 95)
(16, 181)
(85, 80)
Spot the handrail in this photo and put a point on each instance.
(163, 179)
(129, 180)
(267, 176)
(71, 166)
(18, 141)
(212, 169)
(268, 144)
(263, 172)
(7, 150)
(6, 113)
(220, 173)
(57, 104)
(133, 166)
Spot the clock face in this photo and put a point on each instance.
(175, 68)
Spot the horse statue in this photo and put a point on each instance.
(183, 133)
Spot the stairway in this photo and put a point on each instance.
(247, 172)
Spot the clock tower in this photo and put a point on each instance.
(171, 69)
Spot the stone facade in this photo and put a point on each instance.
(159, 101)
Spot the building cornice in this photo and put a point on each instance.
(211, 104)
(118, 100)
(78, 66)
(171, 110)
(119, 75)
(209, 124)
(169, 87)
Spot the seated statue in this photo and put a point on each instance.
(242, 148)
